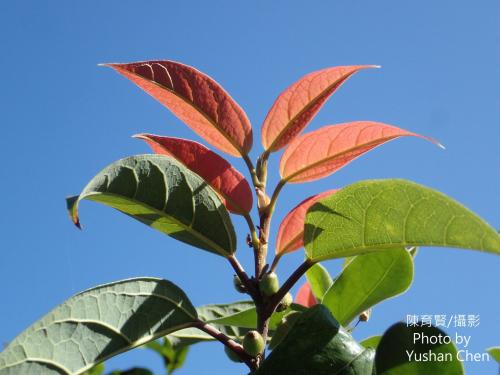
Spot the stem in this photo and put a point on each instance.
(231, 344)
(255, 180)
(265, 224)
(275, 262)
(275, 195)
(254, 238)
(249, 285)
(274, 301)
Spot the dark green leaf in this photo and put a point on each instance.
(133, 371)
(318, 345)
(370, 216)
(320, 280)
(98, 324)
(161, 192)
(367, 280)
(402, 352)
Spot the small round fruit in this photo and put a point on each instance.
(285, 303)
(253, 343)
(269, 284)
(238, 285)
(232, 355)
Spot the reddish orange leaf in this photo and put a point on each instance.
(305, 297)
(196, 99)
(291, 231)
(215, 170)
(326, 150)
(299, 103)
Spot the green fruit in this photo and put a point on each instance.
(232, 355)
(253, 343)
(269, 284)
(284, 327)
(238, 285)
(285, 303)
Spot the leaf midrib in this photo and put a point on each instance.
(329, 158)
(214, 124)
(302, 111)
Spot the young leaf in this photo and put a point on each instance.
(320, 281)
(215, 170)
(400, 349)
(291, 230)
(162, 193)
(375, 215)
(196, 99)
(367, 280)
(299, 103)
(324, 151)
(305, 296)
(317, 345)
(97, 324)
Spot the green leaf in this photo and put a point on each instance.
(96, 370)
(375, 215)
(367, 280)
(371, 342)
(320, 280)
(161, 192)
(495, 353)
(97, 324)
(242, 314)
(171, 351)
(400, 349)
(318, 345)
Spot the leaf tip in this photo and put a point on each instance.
(72, 207)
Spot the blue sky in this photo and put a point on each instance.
(63, 118)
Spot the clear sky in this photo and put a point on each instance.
(63, 118)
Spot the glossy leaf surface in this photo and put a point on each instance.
(291, 230)
(324, 151)
(98, 324)
(320, 280)
(374, 215)
(196, 99)
(299, 103)
(215, 170)
(399, 343)
(318, 345)
(367, 280)
(162, 193)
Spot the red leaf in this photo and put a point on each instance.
(305, 297)
(299, 103)
(196, 99)
(291, 231)
(215, 170)
(326, 150)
